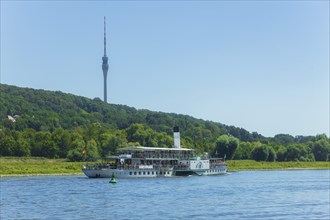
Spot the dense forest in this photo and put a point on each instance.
(57, 125)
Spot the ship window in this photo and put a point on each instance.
(134, 173)
(152, 172)
(130, 173)
(144, 173)
(160, 173)
(148, 173)
(139, 173)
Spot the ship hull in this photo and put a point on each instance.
(151, 173)
(133, 173)
(202, 172)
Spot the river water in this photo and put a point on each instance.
(300, 194)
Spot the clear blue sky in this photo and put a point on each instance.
(259, 65)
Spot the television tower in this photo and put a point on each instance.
(105, 65)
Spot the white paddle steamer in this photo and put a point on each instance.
(137, 161)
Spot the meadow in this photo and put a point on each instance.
(237, 165)
(37, 166)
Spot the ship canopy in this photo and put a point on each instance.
(140, 148)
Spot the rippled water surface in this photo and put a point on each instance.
(302, 194)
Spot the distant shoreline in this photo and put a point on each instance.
(27, 167)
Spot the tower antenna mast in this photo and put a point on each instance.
(105, 38)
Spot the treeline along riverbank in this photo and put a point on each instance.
(55, 125)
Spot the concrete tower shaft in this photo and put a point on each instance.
(105, 65)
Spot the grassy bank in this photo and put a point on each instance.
(236, 165)
(35, 166)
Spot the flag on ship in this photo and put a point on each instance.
(84, 151)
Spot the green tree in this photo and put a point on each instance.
(321, 149)
(226, 145)
(140, 133)
(271, 154)
(44, 145)
(62, 139)
(283, 139)
(76, 148)
(23, 148)
(136, 133)
(163, 140)
(74, 155)
(244, 151)
(260, 153)
(7, 146)
(92, 150)
(281, 153)
(111, 141)
(296, 152)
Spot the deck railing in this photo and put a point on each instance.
(128, 167)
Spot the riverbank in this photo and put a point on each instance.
(23, 166)
(237, 165)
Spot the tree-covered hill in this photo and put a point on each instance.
(47, 110)
(55, 124)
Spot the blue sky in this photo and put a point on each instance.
(259, 65)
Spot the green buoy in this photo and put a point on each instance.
(113, 180)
